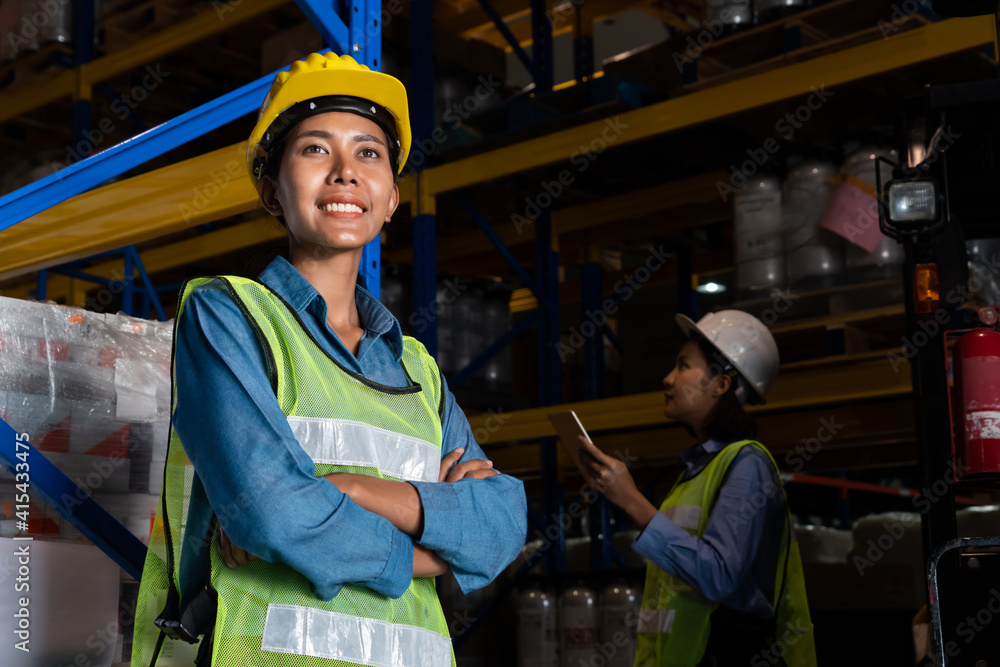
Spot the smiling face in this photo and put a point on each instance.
(691, 392)
(334, 186)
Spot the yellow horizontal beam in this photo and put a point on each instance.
(118, 214)
(655, 200)
(907, 48)
(166, 257)
(837, 381)
(170, 199)
(191, 31)
(561, 16)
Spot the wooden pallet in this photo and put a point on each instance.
(123, 22)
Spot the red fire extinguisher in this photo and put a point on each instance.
(977, 403)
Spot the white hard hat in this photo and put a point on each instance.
(745, 343)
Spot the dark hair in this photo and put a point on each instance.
(729, 422)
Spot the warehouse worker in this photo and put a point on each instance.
(724, 583)
(334, 476)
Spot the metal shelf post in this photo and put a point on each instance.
(541, 46)
(550, 377)
(422, 125)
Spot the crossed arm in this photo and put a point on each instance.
(398, 502)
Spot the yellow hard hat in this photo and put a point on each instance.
(324, 82)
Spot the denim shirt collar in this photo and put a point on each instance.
(697, 457)
(290, 285)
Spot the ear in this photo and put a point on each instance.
(722, 384)
(267, 193)
(393, 202)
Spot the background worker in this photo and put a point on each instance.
(724, 584)
(322, 439)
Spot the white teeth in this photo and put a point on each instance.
(343, 208)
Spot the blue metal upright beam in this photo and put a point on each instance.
(512, 260)
(593, 335)
(40, 476)
(128, 285)
(687, 296)
(502, 28)
(360, 37)
(83, 37)
(541, 46)
(583, 47)
(96, 169)
(550, 378)
(422, 124)
(593, 314)
(332, 28)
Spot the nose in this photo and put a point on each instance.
(668, 381)
(341, 168)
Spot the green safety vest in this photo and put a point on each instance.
(674, 620)
(267, 614)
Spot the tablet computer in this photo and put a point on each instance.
(569, 428)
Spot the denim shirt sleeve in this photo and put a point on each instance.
(716, 564)
(243, 450)
(477, 525)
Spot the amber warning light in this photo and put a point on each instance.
(926, 289)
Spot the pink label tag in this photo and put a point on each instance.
(853, 214)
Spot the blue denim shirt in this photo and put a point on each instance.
(735, 561)
(262, 486)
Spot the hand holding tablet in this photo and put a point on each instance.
(569, 430)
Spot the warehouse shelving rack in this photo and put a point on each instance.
(359, 35)
(147, 206)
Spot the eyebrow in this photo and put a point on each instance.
(358, 138)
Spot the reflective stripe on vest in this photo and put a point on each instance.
(686, 516)
(344, 442)
(268, 614)
(328, 634)
(656, 620)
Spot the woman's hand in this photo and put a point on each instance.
(232, 555)
(475, 468)
(611, 477)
